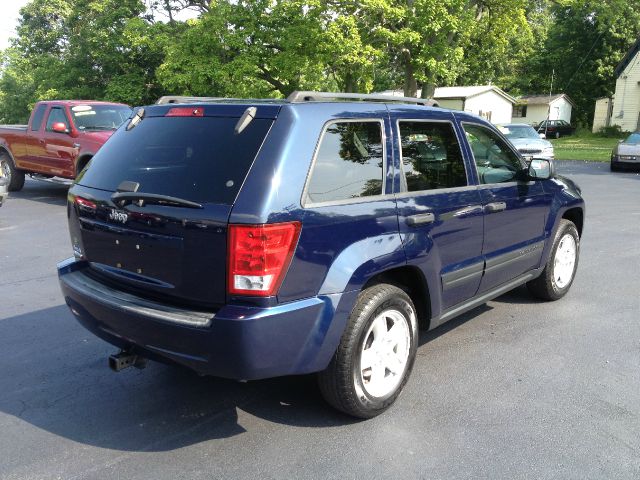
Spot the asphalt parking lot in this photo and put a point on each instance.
(513, 389)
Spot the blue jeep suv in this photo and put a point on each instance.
(256, 238)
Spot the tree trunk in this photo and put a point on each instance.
(428, 90)
(349, 83)
(410, 83)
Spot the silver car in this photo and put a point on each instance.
(4, 184)
(527, 141)
(626, 153)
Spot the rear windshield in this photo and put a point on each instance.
(199, 159)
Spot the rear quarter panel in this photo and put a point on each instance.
(340, 245)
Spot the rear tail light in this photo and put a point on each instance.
(259, 256)
(86, 205)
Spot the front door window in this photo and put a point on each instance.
(495, 160)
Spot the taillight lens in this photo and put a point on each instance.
(259, 256)
(86, 205)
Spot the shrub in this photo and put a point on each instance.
(612, 131)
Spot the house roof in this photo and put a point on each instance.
(626, 60)
(544, 99)
(443, 93)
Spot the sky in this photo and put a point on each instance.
(8, 19)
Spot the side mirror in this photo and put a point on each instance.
(542, 136)
(60, 127)
(540, 169)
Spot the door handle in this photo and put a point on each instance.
(495, 207)
(41, 140)
(420, 219)
(467, 211)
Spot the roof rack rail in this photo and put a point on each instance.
(302, 96)
(181, 99)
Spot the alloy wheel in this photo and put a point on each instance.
(564, 261)
(385, 353)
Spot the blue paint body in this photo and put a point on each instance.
(341, 248)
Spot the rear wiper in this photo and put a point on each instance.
(140, 199)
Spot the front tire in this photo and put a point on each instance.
(560, 270)
(376, 353)
(15, 176)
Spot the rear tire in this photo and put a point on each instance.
(15, 176)
(560, 270)
(376, 353)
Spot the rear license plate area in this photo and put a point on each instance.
(155, 256)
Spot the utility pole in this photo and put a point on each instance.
(546, 125)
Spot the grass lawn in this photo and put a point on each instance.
(584, 146)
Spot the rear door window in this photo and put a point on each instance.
(431, 156)
(38, 116)
(199, 159)
(349, 163)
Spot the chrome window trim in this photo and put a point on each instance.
(383, 137)
(436, 191)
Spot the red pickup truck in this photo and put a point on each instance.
(60, 139)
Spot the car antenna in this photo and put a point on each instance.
(246, 118)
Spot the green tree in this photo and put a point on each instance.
(249, 48)
(436, 42)
(586, 41)
(93, 49)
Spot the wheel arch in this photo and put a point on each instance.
(82, 161)
(412, 281)
(5, 149)
(575, 215)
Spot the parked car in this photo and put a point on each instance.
(555, 128)
(60, 139)
(627, 153)
(4, 184)
(250, 239)
(527, 141)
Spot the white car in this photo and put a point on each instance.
(527, 141)
(4, 185)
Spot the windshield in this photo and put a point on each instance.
(521, 131)
(99, 117)
(633, 138)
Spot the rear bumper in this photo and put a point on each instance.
(240, 342)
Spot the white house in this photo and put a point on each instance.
(533, 109)
(624, 108)
(488, 101)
